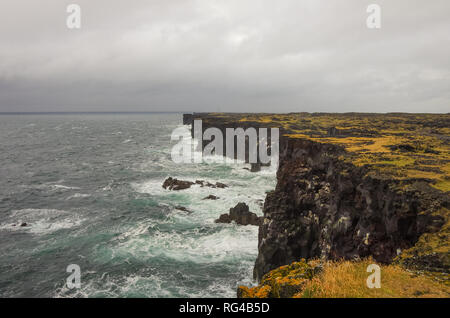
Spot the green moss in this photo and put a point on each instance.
(432, 250)
(285, 281)
(342, 279)
(442, 185)
(400, 146)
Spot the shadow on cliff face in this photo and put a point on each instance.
(331, 205)
(324, 207)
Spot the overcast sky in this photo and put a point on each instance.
(227, 55)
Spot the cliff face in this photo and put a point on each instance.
(325, 207)
(354, 185)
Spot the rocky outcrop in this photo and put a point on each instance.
(323, 207)
(182, 208)
(176, 185)
(187, 119)
(284, 282)
(431, 252)
(376, 197)
(232, 121)
(203, 183)
(210, 197)
(241, 215)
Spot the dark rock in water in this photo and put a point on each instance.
(224, 218)
(204, 183)
(175, 184)
(241, 215)
(255, 167)
(182, 208)
(187, 119)
(210, 197)
(24, 224)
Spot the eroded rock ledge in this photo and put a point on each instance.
(351, 192)
(241, 215)
(326, 208)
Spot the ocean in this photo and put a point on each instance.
(89, 188)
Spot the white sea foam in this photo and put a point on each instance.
(51, 187)
(40, 221)
(63, 187)
(78, 196)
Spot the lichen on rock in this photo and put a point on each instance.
(283, 282)
(351, 186)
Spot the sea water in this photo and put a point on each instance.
(88, 186)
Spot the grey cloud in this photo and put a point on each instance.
(207, 55)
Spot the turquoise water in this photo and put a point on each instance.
(89, 189)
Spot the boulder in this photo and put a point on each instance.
(241, 215)
(175, 184)
(255, 167)
(224, 218)
(204, 183)
(182, 208)
(210, 197)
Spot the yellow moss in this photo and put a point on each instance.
(281, 282)
(442, 185)
(348, 280)
(430, 246)
(255, 292)
(377, 141)
(344, 279)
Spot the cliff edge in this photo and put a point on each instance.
(351, 186)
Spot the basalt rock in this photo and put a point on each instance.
(241, 215)
(323, 207)
(224, 218)
(187, 119)
(176, 185)
(255, 167)
(376, 188)
(283, 282)
(210, 197)
(182, 208)
(221, 185)
(204, 183)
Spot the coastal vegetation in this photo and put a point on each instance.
(354, 189)
(343, 279)
(401, 146)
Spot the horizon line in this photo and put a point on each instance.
(196, 112)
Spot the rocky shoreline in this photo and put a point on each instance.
(326, 207)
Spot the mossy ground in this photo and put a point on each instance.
(431, 249)
(401, 146)
(406, 148)
(343, 279)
